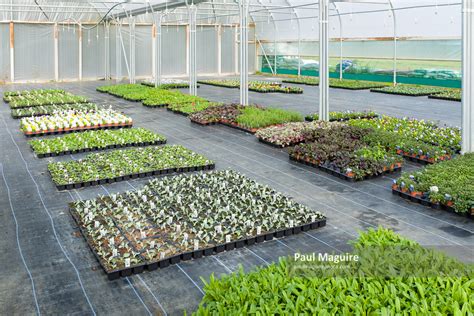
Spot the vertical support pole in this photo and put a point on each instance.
(107, 51)
(118, 54)
(153, 50)
(299, 50)
(187, 50)
(192, 50)
(236, 51)
(158, 53)
(323, 60)
(244, 52)
(341, 33)
(467, 77)
(12, 52)
(395, 39)
(131, 26)
(219, 50)
(56, 52)
(80, 50)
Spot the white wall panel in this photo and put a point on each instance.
(143, 54)
(34, 52)
(93, 53)
(4, 52)
(228, 50)
(206, 38)
(173, 46)
(68, 53)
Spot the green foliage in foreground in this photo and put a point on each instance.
(274, 290)
(255, 117)
(450, 94)
(355, 84)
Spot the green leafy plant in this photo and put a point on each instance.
(52, 109)
(254, 117)
(280, 290)
(449, 94)
(344, 116)
(46, 98)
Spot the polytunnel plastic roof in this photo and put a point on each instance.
(288, 18)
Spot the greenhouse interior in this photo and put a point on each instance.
(237, 157)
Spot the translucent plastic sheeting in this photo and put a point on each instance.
(173, 47)
(252, 58)
(143, 51)
(68, 52)
(207, 61)
(34, 52)
(93, 53)
(4, 52)
(228, 50)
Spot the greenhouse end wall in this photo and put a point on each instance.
(72, 44)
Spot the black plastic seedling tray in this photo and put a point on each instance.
(443, 98)
(425, 94)
(310, 119)
(62, 187)
(195, 254)
(342, 175)
(85, 150)
(426, 202)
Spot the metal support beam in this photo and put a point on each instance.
(467, 77)
(79, 32)
(395, 39)
(132, 50)
(192, 51)
(219, 49)
(107, 51)
(56, 52)
(158, 51)
(244, 52)
(12, 52)
(118, 54)
(341, 33)
(323, 60)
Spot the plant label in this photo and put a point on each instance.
(143, 234)
(152, 244)
(313, 218)
(227, 238)
(196, 244)
(114, 252)
(162, 255)
(178, 228)
(96, 224)
(259, 230)
(185, 236)
(112, 241)
(127, 262)
(291, 223)
(219, 228)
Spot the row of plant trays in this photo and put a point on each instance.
(421, 159)
(277, 91)
(434, 96)
(85, 150)
(226, 123)
(195, 254)
(418, 197)
(369, 117)
(421, 94)
(77, 129)
(344, 176)
(62, 187)
(301, 83)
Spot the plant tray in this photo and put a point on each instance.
(300, 83)
(275, 91)
(85, 150)
(204, 123)
(340, 175)
(241, 128)
(177, 112)
(56, 132)
(420, 160)
(195, 254)
(62, 187)
(443, 98)
(404, 94)
(219, 85)
(310, 119)
(275, 145)
(32, 106)
(427, 202)
(155, 106)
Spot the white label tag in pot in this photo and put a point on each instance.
(162, 255)
(178, 228)
(291, 223)
(114, 252)
(196, 244)
(313, 218)
(219, 228)
(259, 230)
(152, 244)
(143, 234)
(96, 224)
(127, 262)
(185, 236)
(112, 241)
(227, 238)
